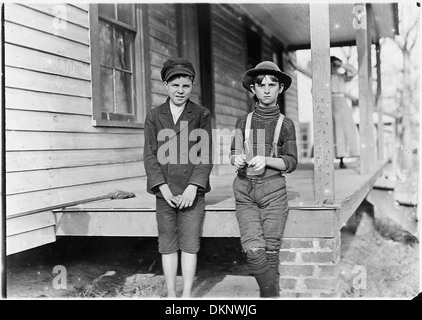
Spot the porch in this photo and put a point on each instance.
(136, 216)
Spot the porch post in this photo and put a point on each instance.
(380, 132)
(321, 97)
(366, 101)
(2, 165)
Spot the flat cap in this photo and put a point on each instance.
(173, 67)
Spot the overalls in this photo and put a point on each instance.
(261, 211)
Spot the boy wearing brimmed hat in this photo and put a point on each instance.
(177, 159)
(262, 150)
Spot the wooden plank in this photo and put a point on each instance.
(366, 102)
(41, 199)
(29, 140)
(33, 60)
(29, 181)
(385, 206)
(2, 162)
(126, 223)
(65, 11)
(228, 101)
(355, 198)
(46, 23)
(31, 80)
(30, 38)
(379, 98)
(157, 99)
(224, 109)
(41, 160)
(166, 37)
(29, 223)
(231, 85)
(226, 121)
(29, 240)
(322, 110)
(157, 60)
(162, 48)
(165, 22)
(313, 221)
(94, 50)
(46, 121)
(158, 87)
(225, 14)
(226, 23)
(225, 37)
(41, 101)
(216, 224)
(80, 5)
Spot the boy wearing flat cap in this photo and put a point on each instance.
(177, 159)
(262, 151)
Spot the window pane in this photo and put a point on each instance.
(125, 13)
(107, 100)
(123, 92)
(123, 49)
(106, 44)
(107, 9)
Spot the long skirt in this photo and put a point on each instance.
(346, 135)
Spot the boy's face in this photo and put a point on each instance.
(267, 91)
(179, 90)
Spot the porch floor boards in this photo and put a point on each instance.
(136, 216)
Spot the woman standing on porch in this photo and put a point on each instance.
(346, 135)
(263, 148)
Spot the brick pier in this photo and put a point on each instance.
(309, 267)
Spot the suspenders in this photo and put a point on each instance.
(247, 145)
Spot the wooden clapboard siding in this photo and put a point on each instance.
(46, 23)
(40, 159)
(33, 140)
(26, 120)
(31, 222)
(40, 101)
(82, 6)
(229, 56)
(163, 45)
(64, 177)
(34, 60)
(31, 38)
(54, 154)
(30, 80)
(29, 240)
(41, 199)
(71, 13)
(291, 100)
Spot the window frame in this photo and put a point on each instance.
(141, 73)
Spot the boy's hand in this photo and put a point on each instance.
(258, 162)
(188, 197)
(239, 161)
(171, 199)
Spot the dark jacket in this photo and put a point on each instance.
(170, 155)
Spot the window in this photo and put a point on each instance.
(118, 65)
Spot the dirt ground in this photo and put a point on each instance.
(131, 267)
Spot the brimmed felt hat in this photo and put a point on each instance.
(173, 67)
(266, 67)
